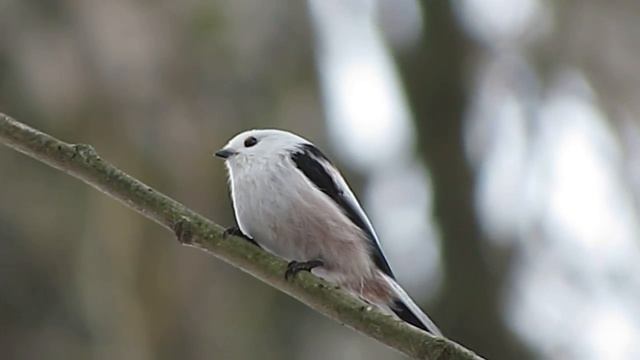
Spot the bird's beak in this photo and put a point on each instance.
(225, 153)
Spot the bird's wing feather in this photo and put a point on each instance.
(409, 311)
(320, 172)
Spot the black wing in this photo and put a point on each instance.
(311, 161)
(404, 313)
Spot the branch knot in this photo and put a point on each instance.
(86, 152)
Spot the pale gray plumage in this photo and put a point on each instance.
(292, 201)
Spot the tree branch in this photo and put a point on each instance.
(82, 161)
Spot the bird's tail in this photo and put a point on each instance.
(406, 309)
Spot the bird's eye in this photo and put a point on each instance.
(250, 141)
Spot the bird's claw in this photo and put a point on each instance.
(294, 267)
(235, 231)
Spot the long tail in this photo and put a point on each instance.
(406, 309)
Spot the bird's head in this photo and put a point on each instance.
(258, 146)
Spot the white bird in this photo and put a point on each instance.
(289, 199)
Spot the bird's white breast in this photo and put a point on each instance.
(282, 211)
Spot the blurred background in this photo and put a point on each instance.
(494, 144)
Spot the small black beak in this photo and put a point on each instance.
(224, 153)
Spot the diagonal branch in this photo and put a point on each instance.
(82, 161)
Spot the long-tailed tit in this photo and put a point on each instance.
(289, 199)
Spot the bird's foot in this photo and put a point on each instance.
(294, 267)
(235, 231)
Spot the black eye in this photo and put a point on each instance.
(250, 141)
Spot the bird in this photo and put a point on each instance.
(289, 199)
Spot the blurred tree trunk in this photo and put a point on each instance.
(434, 74)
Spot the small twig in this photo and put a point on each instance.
(82, 162)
